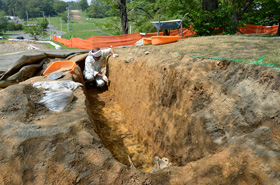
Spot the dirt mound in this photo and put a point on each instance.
(16, 46)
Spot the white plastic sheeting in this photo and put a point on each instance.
(58, 94)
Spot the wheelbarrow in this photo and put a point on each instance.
(177, 24)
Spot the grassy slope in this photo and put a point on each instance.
(238, 47)
(86, 27)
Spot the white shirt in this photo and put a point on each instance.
(93, 66)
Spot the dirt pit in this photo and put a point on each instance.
(216, 121)
(113, 131)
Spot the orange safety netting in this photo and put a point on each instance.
(115, 41)
(131, 39)
(250, 29)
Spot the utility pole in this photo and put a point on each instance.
(27, 16)
(68, 20)
(43, 14)
(50, 27)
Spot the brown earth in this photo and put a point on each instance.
(76, 15)
(18, 46)
(216, 121)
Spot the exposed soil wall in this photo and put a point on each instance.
(187, 109)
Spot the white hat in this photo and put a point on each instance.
(96, 54)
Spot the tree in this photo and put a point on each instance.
(97, 10)
(209, 4)
(83, 5)
(11, 26)
(73, 5)
(60, 6)
(1, 5)
(65, 17)
(18, 27)
(35, 31)
(119, 5)
(3, 22)
(264, 12)
(44, 24)
(241, 6)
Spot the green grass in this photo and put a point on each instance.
(62, 46)
(4, 35)
(238, 47)
(87, 28)
(81, 34)
(55, 22)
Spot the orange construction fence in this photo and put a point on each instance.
(131, 39)
(115, 41)
(250, 29)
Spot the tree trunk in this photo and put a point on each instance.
(123, 15)
(234, 22)
(238, 14)
(278, 31)
(209, 4)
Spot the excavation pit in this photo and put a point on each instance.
(217, 121)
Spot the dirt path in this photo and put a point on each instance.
(113, 131)
(76, 15)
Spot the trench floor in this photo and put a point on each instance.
(113, 130)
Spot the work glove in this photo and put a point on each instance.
(115, 55)
(105, 78)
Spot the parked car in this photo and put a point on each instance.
(20, 37)
(1, 38)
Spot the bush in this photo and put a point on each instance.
(11, 26)
(18, 27)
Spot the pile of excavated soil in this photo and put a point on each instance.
(216, 121)
(16, 46)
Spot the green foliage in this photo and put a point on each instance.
(3, 23)
(264, 12)
(114, 25)
(97, 10)
(44, 24)
(213, 22)
(83, 5)
(73, 5)
(11, 26)
(35, 31)
(33, 7)
(18, 27)
(60, 6)
(64, 17)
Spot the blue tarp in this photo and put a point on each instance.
(167, 24)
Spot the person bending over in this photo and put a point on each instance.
(93, 66)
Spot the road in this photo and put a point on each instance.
(26, 36)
